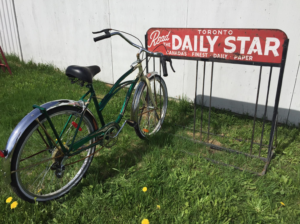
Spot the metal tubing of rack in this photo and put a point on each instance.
(257, 96)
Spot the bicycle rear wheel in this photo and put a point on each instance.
(36, 179)
(149, 118)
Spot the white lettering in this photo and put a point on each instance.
(202, 48)
(243, 57)
(156, 39)
(232, 45)
(224, 56)
(174, 38)
(187, 43)
(195, 43)
(243, 43)
(255, 43)
(212, 42)
(272, 48)
(202, 55)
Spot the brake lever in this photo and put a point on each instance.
(169, 60)
(105, 30)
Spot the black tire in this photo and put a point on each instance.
(41, 183)
(148, 118)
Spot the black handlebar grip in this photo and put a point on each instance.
(107, 35)
(163, 63)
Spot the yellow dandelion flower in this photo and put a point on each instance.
(158, 206)
(14, 205)
(145, 221)
(144, 189)
(8, 200)
(282, 203)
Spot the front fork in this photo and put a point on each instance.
(145, 79)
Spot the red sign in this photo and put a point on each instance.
(257, 45)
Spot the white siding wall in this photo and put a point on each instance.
(59, 32)
(8, 28)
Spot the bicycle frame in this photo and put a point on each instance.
(74, 147)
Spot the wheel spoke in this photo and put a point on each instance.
(43, 138)
(39, 186)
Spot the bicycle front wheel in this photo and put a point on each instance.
(148, 117)
(40, 173)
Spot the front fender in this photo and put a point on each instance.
(139, 88)
(23, 125)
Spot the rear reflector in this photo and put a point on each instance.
(2, 154)
(75, 125)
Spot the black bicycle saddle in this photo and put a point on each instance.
(85, 74)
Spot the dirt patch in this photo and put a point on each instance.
(211, 140)
(215, 142)
(191, 134)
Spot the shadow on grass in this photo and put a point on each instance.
(110, 162)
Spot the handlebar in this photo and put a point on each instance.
(163, 58)
(102, 37)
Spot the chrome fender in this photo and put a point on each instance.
(138, 89)
(24, 124)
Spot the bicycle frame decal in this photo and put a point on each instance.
(245, 45)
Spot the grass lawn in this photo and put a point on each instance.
(181, 187)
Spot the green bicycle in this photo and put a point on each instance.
(52, 147)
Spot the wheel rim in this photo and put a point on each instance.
(40, 181)
(150, 118)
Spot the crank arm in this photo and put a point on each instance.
(129, 122)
